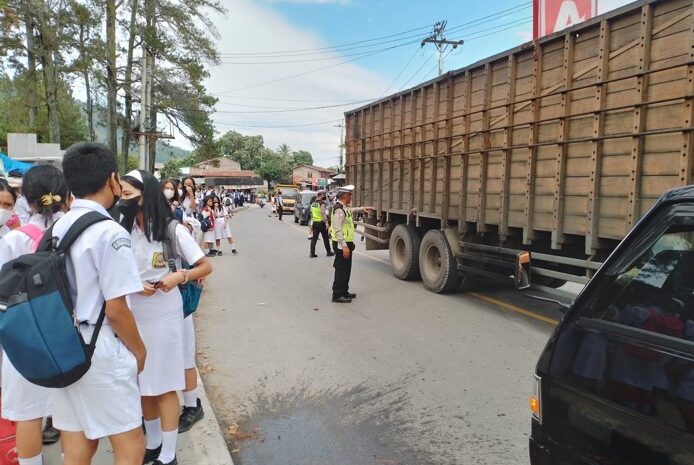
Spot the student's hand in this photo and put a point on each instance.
(141, 357)
(148, 290)
(170, 281)
(346, 252)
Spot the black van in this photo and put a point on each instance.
(615, 383)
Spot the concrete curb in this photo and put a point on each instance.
(207, 440)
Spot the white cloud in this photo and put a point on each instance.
(254, 28)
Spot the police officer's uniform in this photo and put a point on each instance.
(342, 231)
(319, 217)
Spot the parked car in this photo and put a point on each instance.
(302, 206)
(615, 383)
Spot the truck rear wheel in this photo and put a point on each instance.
(437, 264)
(404, 252)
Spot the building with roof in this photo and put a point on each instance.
(310, 175)
(224, 171)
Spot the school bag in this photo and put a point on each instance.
(190, 291)
(205, 223)
(8, 442)
(38, 328)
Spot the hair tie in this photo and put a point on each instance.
(48, 199)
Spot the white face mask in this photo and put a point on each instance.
(168, 193)
(5, 215)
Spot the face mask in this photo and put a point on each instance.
(5, 215)
(169, 194)
(180, 193)
(129, 207)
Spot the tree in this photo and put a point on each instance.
(247, 150)
(284, 150)
(301, 157)
(111, 79)
(275, 167)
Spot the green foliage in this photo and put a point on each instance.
(14, 112)
(133, 164)
(276, 166)
(301, 157)
(249, 151)
(171, 169)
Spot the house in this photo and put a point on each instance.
(223, 171)
(310, 174)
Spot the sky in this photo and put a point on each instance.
(290, 68)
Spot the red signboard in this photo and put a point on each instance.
(550, 16)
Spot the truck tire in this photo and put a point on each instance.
(437, 264)
(404, 252)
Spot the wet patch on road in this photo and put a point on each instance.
(345, 425)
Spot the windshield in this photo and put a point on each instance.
(306, 198)
(288, 192)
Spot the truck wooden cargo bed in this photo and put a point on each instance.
(569, 140)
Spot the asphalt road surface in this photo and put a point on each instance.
(400, 376)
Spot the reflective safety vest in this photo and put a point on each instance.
(347, 224)
(316, 216)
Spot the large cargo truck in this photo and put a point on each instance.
(556, 147)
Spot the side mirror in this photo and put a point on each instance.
(522, 275)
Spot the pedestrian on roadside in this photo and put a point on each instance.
(319, 218)
(226, 233)
(342, 234)
(25, 403)
(158, 309)
(280, 204)
(209, 236)
(8, 199)
(189, 197)
(102, 271)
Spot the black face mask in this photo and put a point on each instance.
(129, 207)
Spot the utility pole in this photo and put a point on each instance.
(342, 145)
(143, 112)
(437, 38)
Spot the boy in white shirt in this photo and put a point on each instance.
(102, 270)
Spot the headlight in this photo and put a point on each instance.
(536, 399)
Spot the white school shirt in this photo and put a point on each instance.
(16, 243)
(100, 265)
(23, 210)
(151, 264)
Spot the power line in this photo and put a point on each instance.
(399, 74)
(251, 125)
(342, 48)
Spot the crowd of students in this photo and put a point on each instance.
(145, 351)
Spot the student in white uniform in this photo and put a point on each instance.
(158, 309)
(209, 238)
(226, 233)
(23, 402)
(102, 271)
(8, 199)
(188, 196)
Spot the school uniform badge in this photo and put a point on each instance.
(120, 243)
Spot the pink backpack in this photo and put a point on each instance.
(35, 234)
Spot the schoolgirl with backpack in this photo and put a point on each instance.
(22, 401)
(158, 310)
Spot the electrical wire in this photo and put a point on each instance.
(399, 74)
(252, 125)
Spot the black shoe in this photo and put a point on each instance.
(219, 252)
(330, 254)
(234, 252)
(310, 238)
(342, 300)
(211, 254)
(189, 417)
(351, 295)
(312, 255)
(159, 462)
(50, 434)
(151, 455)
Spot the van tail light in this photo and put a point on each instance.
(536, 399)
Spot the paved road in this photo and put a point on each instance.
(399, 377)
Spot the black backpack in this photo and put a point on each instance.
(38, 327)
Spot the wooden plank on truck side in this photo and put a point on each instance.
(413, 144)
(462, 206)
(435, 135)
(372, 158)
(686, 150)
(381, 160)
(401, 160)
(422, 153)
(511, 73)
(562, 147)
(450, 97)
(531, 163)
(391, 156)
(637, 142)
(596, 150)
(484, 154)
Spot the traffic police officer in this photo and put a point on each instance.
(342, 235)
(319, 217)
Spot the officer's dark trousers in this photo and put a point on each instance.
(319, 228)
(343, 271)
(280, 211)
